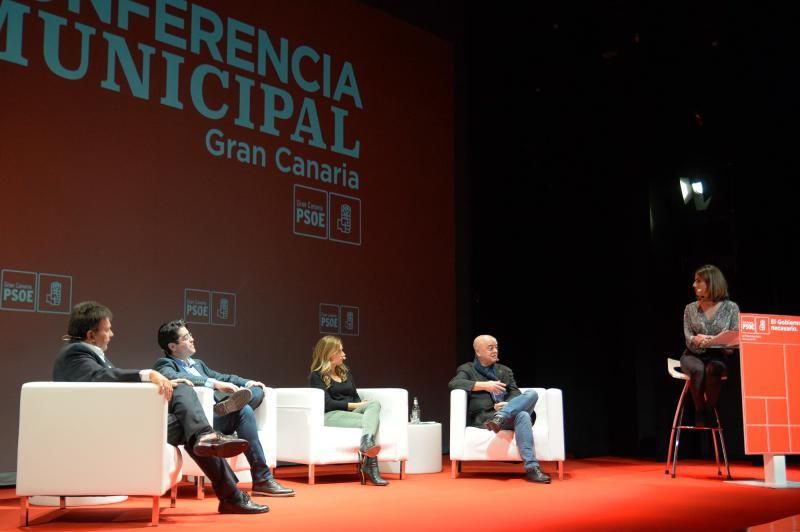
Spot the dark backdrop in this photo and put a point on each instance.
(575, 246)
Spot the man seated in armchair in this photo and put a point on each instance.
(496, 403)
(236, 399)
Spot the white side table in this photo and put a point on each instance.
(424, 449)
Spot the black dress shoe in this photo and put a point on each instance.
(271, 488)
(495, 424)
(241, 504)
(234, 402)
(537, 475)
(220, 445)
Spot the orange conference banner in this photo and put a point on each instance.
(770, 355)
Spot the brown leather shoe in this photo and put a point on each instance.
(219, 445)
(271, 488)
(241, 504)
(495, 424)
(234, 402)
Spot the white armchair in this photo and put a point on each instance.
(92, 439)
(472, 443)
(303, 437)
(266, 420)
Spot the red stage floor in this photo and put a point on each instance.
(596, 494)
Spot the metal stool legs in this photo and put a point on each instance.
(675, 438)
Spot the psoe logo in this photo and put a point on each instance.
(328, 318)
(349, 320)
(18, 290)
(310, 212)
(748, 325)
(345, 213)
(55, 293)
(762, 325)
(223, 308)
(196, 305)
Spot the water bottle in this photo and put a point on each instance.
(415, 412)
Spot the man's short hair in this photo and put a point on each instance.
(168, 333)
(85, 317)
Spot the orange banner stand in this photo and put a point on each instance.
(770, 364)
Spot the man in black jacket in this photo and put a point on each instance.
(495, 402)
(83, 359)
(237, 398)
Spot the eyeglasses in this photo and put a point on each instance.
(185, 338)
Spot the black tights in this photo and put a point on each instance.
(705, 378)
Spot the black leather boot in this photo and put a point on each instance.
(369, 471)
(368, 446)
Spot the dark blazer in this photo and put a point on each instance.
(170, 368)
(77, 363)
(480, 405)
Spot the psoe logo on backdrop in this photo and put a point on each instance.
(223, 308)
(55, 293)
(18, 290)
(754, 325)
(196, 305)
(328, 318)
(348, 318)
(345, 214)
(310, 212)
(338, 319)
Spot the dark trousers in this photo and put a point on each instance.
(705, 377)
(187, 422)
(243, 423)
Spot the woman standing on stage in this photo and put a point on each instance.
(704, 319)
(343, 406)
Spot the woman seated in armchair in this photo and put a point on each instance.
(343, 406)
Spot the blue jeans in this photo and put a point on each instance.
(243, 423)
(517, 417)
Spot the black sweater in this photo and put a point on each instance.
(338, 394)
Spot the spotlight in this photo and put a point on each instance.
(693, 188)
(686, 190)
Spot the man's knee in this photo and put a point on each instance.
(184, 393)
(532, 394)
(258, 396)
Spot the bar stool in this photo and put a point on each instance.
(674, 369)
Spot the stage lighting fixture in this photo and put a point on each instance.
(693, 188)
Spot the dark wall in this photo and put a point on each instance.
(580, 123)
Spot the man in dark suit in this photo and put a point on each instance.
(83, 359)
(237, 397)
(495, 402)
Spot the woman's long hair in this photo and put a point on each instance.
(321, 359)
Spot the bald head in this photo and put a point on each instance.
(486, 349)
